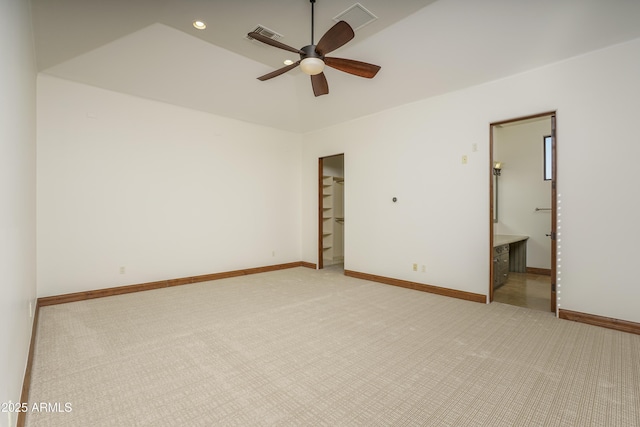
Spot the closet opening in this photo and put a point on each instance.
(331, 221)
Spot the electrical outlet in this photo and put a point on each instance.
(474, 147)
(123, 270)
(424, 268)
(273, 253)
(415, 267)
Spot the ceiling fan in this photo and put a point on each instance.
(312, 57)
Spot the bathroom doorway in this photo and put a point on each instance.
(523, 173)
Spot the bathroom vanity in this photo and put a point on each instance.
(509, 254)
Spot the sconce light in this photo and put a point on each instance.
(497, 168)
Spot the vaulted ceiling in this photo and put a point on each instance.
(149, 48)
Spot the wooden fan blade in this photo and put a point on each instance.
(350, 66)
(274, 43)
(337, 36)
(319, 84)
(279, 71)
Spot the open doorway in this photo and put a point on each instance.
(523, 212)
(331, 212)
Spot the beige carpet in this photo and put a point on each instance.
(301, 347)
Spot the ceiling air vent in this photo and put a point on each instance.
(262, 30)
(357, 16)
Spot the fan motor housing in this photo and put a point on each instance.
(310, 52)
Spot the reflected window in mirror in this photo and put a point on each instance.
(548, 171)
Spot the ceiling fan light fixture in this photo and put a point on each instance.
(312, 66)
(313, 57)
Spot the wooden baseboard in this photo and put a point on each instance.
(309, 265)
(99, 293)
(540, 271)
(26, 381)
(419, 286)
(605, 322)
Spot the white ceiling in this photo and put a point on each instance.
(148, 48)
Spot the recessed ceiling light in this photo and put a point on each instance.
(200, 25)
(288, 62)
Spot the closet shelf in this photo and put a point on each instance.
(332, 209)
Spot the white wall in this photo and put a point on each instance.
(163, 191)
(17, 195)
(441, 218)
(522, 187)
